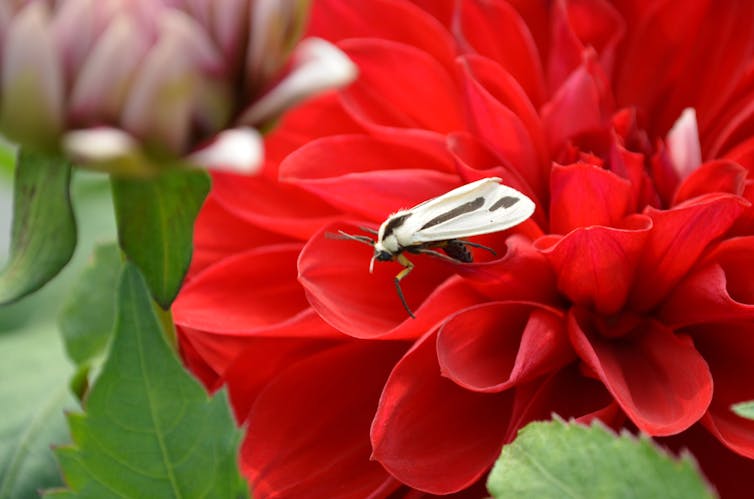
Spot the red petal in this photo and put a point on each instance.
(578, 24)
(498, 345)
(715, 176)
(513, 50)
(659, 379)
(432, 434)
(681, 64)
(335, 275)
(502, 115)
(521, 273)
(579, 108)
(262, 359)
(308, 432)
(729, 350)
(679, 236)
(595, 266)
(425, 96)
(367, 176)
(585, 195)
(393, 20)
(719, 290)
(254, 289)
(219, 233)
(271, 205)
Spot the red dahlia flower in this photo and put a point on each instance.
(626, 297)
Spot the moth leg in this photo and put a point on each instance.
(367, 229)
(437, 254)
(345, 235)
(480, 246)
(407, 268)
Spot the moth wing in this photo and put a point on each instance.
(478, 208)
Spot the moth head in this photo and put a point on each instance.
(381, 254)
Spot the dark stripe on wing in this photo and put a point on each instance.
(394, 223)
(504, 202)
(455, 212)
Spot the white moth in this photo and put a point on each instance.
(480, 207)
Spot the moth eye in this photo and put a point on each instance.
(383, 256)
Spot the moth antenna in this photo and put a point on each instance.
(352, 237)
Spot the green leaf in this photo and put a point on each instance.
(744, 409)
(88, 315)
(558, 460)
(150, 428)
(34, 370)
(33, 395)
(156, 224)
(43, 235)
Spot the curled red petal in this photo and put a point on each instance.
(584, 195)
(595, 266)
(720, 289)
(711, 177)
(308, 431)
(335, 275)
(495, 346)
(659, 379)
(678, 238)
(425, 423)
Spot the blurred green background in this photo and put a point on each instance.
(34, 370)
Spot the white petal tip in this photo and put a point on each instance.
(99, 145)
(683, 143)
(238, 150)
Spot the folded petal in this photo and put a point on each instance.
(596, 266)
(657, 376)
(679, 236)
(335, 275)
(426, 423)
(498, 345)
(583, 194)
(308, 431)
